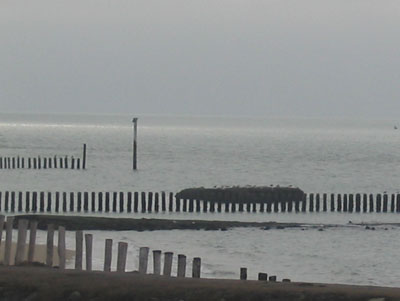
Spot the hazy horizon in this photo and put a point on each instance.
(207, 58)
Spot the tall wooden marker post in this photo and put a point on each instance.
(134, 120)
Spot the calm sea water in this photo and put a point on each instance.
(332, 156)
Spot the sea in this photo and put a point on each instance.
(318, 155)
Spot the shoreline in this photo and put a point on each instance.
(73, 223)
(42, 283)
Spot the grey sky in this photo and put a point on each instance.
(272, 57)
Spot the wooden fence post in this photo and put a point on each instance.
(181, 265)
(7, 251)
(157, 262)
(143, 259)
(21, 241)
(196, 269)
(32, 241)
(108, 255)
(168, 256)
(50, 245)
(78, 250)
(61, 247)
(121, 259)
(89, 251)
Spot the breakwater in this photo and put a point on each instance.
(150, 202)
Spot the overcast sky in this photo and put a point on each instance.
(205, 57)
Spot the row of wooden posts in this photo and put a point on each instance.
(61, 162)
(121, 256)
(261, 276)
(167, 202)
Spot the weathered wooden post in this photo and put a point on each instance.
(79, 202)
(7, 251)
(2, 217)
(143, 199)
(64, 201)
(86, 201)
(50, 245)
(108, 255)
(84, 157)
(168, 256)
(378, 203)
(143, 259)
(21, 242)
(78, 249)
(243, 273)
(32, 240)
(107, 207)
(100, 202)
(181, 265)
(41, 201)
(196, 268)
(121, 259)
(27, 201)
(57, 201)
(339, 202)
(136, 201)
(157, 262)
(49, 201)
(129, 202)
(385, 202)
(150, 202)
(163, 202)
(93, 196)
(134, 120)
(371, 203)
(71, 202)
(114, 204)
(89, 251)
(61, 247)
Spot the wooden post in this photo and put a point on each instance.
(84, 157)
(181, 265)
(34, 201)
(121, 259)
(134, 120)
(27, 201)
(7, 251)
(78, 250)
(49, 162)
(93, 196)
(317, 202)
(20, 201)
(385, 202)
(121, 201)
(71, 202)
(243, 273)
(135, 201)
(196, 268)
(168, 256)
(157, 262)
(50, 245)
(64, 202)
(129, 202)
(41, 201)
(365, 202)
(2, 217)
(89, 248)
(339, 202)
(57, 201)
(163, 202)
(78, 163)
(29, 163)
(100, 202)
(61, 247)
(345, 202)
(371, 203)
(49, 201)
(21, 242)
(85, 201)
(392, 203)
(143, 259)
(143, 199)
(351, 202)
(79, 202)
(6, 201)
(156, 202)
(108, 255)
(378, 203)
(358, 202)
(114, 204)
(12, 201)
(32, 240)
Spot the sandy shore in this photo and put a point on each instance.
(40, 283)
(39, 256)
